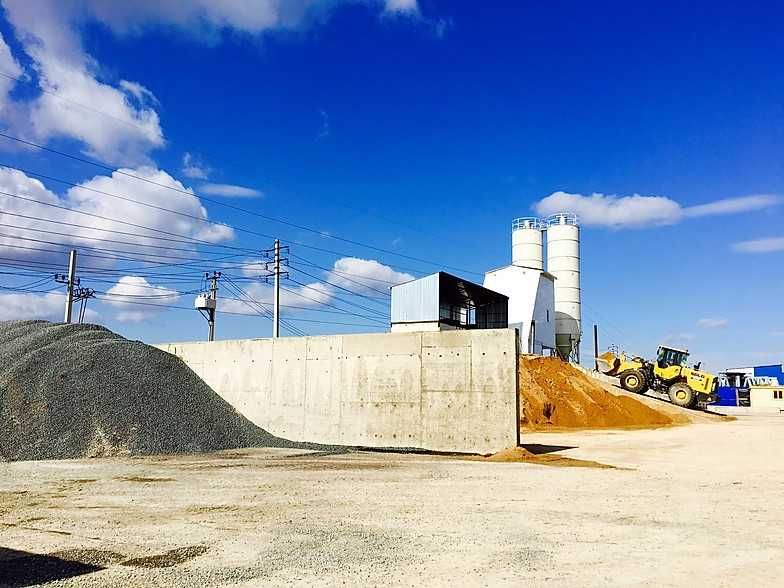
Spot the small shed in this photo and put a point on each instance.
(441, 301)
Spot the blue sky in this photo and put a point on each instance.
(422, 129)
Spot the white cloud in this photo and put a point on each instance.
(640, 211)
(409, 7)
(10, 66)
(130, 290)
(365, 275)
(712, 323)
(733, 205)
(30, 306)
(309, 296)
(122, 185)
(361, 276)
(613, 211)
(116, 119)
(768, 245)
(128, 128)
(193, 168)
(230, 191)
(83, 198)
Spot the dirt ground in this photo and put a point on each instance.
(693, 505)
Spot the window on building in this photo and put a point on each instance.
(778, 394)
(548, 315)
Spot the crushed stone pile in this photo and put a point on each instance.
(73, 391)
(554, 394)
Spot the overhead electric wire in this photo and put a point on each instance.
(115, 220)
(98, 239)
(330, 305)
(347, 290)
(74, 102)
(104, 297)
(191, 194)
(91, 248)
(185, 240)
(259, 307)
(344, 301)
(96, 256)
(32, 285)
(340, 273)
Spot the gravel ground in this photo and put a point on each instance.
(696, 505)
(70, 391)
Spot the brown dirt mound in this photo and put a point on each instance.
(520, 454)
(554, 394)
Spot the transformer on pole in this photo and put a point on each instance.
(207, 303)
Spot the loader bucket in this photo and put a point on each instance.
(608, 363)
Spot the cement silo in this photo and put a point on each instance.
(527, 242)
(563, 261)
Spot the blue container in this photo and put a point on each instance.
(728, 396)
(774, 371)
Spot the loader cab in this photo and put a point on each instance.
(669, 356)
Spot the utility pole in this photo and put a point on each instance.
(70, 281)
(276, 290)
(277, 263)
(208, 302)
(596, 346)
(214, 298)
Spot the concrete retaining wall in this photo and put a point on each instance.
(441, 391)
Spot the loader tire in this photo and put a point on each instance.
(682, 395)
(633, 381)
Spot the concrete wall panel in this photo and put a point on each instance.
(444, 391)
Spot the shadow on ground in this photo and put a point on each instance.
(539, 449)
(22, 568)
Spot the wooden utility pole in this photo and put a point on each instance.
(596, 346)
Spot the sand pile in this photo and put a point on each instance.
(523, 455)
(70, 391)
(553, 394)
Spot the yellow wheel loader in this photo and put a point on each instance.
(670, 374)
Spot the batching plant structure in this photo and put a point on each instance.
(563, 262)
(544, 300)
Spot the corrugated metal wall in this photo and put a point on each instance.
(416, 301)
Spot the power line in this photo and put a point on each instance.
(342, 274)
(77, 237)
(107, 298)
(250, 301)
(347, 290)
(190, 194)
(185, 240)
(329, 305)
(74, 102)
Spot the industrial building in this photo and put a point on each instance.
(541, 301)
(755, 386)
(544, 301)
(443, 302)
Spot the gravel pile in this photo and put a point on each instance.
(72, 391)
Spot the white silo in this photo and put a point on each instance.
(527, 242)
(563, 261)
